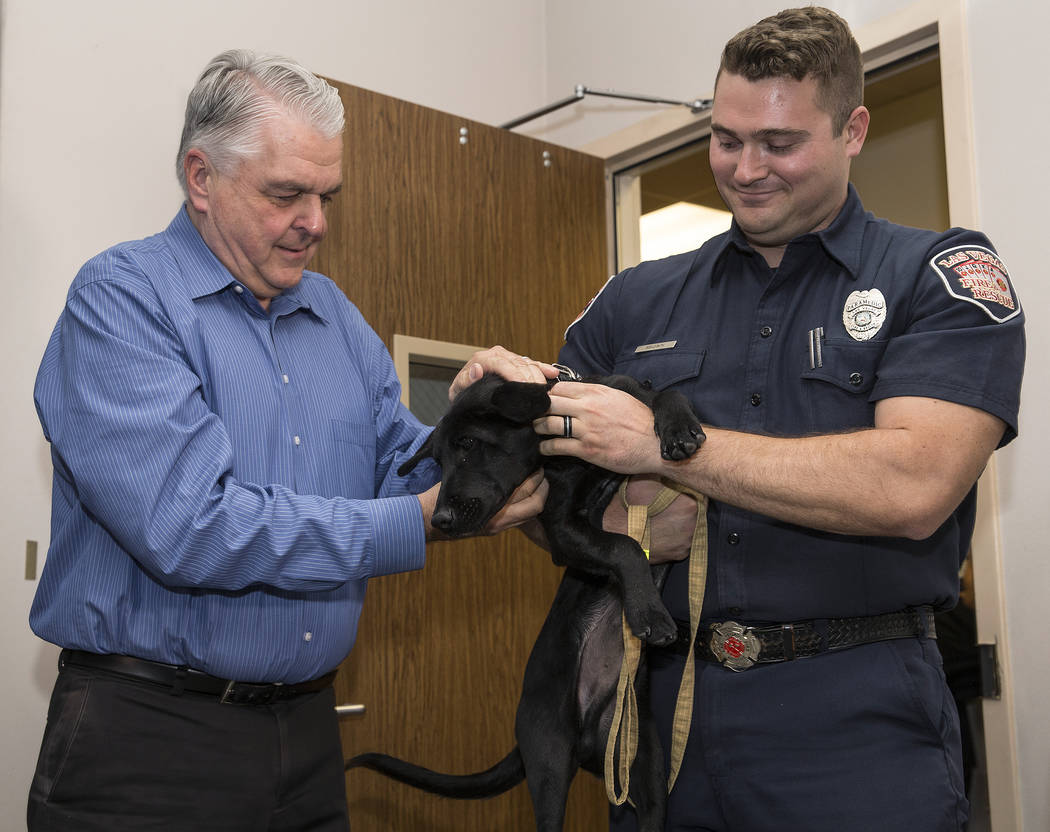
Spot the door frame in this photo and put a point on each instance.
(923, 24)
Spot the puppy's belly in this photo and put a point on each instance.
(601, 656)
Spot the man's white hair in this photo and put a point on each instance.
(238, 93)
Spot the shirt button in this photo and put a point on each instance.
(732, 538)
(285, 378)
(756, 399)
(307, 636)
(295, 440)
(855, 379)
(238, 289)
(766, 331)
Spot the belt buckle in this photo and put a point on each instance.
(246, 693)
(226, 699)
(734, 645)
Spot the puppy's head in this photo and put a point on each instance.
(486, 447)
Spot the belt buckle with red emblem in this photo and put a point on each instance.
(734, 645)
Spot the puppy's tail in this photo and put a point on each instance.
(506, 774)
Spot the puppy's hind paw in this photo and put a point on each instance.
(661, 636)
(655, 626)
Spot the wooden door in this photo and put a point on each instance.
(457, 231)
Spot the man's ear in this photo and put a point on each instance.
(856, 130)
(199, 179)
(521, 401)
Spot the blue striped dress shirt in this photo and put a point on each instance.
(224, 477)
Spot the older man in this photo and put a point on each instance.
(225, 431)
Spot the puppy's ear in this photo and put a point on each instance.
(521, 401)
(425, 450)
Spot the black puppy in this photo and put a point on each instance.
(486, 447)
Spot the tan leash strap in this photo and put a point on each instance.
(683, 709)
(622, 745)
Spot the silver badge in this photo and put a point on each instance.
(864, 314)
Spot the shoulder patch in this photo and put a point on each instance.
(590, 303)
(976, 275)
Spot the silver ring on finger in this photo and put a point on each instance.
(567, 427)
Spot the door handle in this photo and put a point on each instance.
(349, 710)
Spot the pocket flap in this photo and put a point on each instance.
(661, 369)
(848, 366)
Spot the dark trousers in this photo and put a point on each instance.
(120, 754)
(864, 740)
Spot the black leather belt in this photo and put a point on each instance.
(739, 647)
(184, 680)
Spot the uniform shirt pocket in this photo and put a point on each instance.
(837, 392)
(660, 369)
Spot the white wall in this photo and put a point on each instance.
(1008, 53)
(90, 112)
(90, 108)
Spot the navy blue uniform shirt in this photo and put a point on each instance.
(861, 311)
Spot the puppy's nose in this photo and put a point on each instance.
(443, 518)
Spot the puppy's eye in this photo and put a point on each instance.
(465, 443)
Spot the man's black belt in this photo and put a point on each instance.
(739, 647)
(185, 680)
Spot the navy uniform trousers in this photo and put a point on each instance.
(861, 740)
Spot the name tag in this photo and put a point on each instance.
(662, 345)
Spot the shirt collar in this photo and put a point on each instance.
(204, 274)
(841, 240)
(731, 240)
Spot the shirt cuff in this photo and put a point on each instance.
(400, 543)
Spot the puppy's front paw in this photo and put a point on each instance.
(678, 427)
(682, 443)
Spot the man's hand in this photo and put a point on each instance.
(501, 362)
(524, 504)
(610, 428)
(614, 430)
(670, 531)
